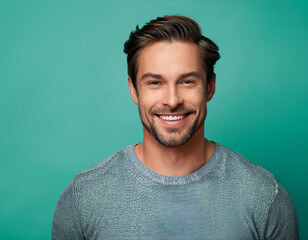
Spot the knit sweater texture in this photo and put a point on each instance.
(228, 198)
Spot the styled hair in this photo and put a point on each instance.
(169, 28)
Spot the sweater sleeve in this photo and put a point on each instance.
(281, 219)
(67, 222)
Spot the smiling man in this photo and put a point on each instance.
(171, 95)
(175, 184)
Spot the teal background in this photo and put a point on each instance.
(65, 104)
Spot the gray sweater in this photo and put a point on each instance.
(227, 198)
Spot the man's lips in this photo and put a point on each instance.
(172, 117)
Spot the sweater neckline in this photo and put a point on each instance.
(195, 176)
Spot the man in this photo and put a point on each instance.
(175, 184)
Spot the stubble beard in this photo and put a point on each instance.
(173, 137)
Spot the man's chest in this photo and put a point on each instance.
(169, 216)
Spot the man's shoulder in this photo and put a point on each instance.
(246, 175)
(255, 190)
(243, 167)
(106, 169)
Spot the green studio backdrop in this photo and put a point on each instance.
(65, 103)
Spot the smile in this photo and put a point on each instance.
(173, 117)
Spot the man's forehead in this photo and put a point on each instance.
(170, 58)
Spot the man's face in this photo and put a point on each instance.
(171, 91)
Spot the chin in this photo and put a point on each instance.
(172, 141)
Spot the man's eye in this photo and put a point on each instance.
(187, 82)
(154, 83)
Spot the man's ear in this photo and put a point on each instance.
(133, 91)
(211, 86)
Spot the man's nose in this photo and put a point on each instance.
(172, 97)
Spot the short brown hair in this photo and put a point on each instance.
(169, 28)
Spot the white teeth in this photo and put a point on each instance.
(172, 118)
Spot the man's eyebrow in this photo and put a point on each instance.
(152, 75)
(184, 75)
(191, 74)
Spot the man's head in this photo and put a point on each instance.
(171, 78)
(170, 28)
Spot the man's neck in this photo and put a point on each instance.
(175, 161)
